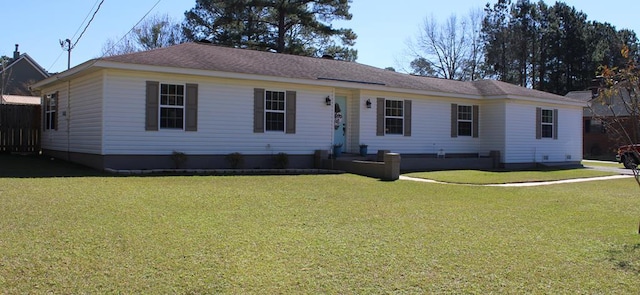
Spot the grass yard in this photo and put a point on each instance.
(326, 234)
(499, 177)
(602, 163)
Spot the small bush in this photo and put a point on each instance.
(178, 158)
(282, 160)
(235, 160)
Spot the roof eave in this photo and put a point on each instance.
(66, 75)
(102, 64)
(564, 101)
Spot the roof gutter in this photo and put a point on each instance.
(565, 101)
(66, 75)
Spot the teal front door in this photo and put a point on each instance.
(340, 122)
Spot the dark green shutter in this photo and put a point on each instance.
(454, 120)
(538, 123)
(476, 116)
(380, 116)
(57, 99)
(45, 102)
(152, 103)
(555, 124)
(191, 108)
(407, 118)
(291, 112)
(258, 110)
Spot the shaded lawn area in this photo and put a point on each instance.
(314, 234)
(499, 177)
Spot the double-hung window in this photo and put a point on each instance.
(465, 120)
(547, 122)
(172, 106)
(51, 111)
(274, 111)
(394, 116)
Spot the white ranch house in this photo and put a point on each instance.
(133, 111)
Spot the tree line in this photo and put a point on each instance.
(549, 48)
(552, 48)
(301, 27)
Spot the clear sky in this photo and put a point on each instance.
(383, 27)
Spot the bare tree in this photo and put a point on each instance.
(474, 66)
(617, 106)
(118, 47)
(4, 77)
(155, 32)
(451, 50)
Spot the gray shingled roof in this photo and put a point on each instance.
(209, 57)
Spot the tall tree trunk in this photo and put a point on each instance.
(281, 28)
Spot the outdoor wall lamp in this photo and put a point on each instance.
(327, 100)
(368, 103)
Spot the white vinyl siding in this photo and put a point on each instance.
(107, 117)
(521, 145)
(493, 126)
(80, 116)
(430, 127)
(225, 118)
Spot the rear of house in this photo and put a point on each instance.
(134, 111)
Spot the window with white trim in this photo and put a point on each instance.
(547, 122)
(465, 120)
(50, 111)
(274, 111)
(394, 116)
(171, 106)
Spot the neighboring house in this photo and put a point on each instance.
(20, 99)
(600, 142)
(133, 111)
(18, 73)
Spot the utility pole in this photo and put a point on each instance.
(68, 49)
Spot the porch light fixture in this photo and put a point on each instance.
(368, 103)
(327, 100)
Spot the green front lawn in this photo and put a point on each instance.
(330, 234)
(603, 163)
(498, 177)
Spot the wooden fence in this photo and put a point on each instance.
(20, 128)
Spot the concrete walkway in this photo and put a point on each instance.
(523, 184)
(624, 173)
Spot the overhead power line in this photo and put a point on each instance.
(74, 35)
(85, 19)
(70, 47)
(87, 26)
(134, 26)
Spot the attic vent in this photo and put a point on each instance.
(327, 56)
